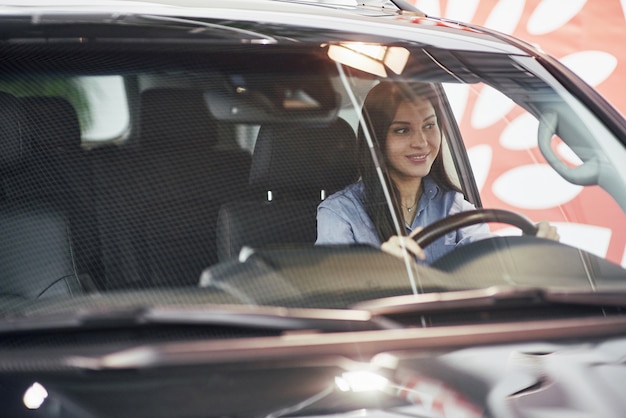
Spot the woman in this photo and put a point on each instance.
(404, 121)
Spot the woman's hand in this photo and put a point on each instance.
(546, 230)
(397, 244)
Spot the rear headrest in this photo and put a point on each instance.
(170, 116)
(13, 146)
(52, 124)
(304, 159)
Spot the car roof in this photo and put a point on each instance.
(371, 21)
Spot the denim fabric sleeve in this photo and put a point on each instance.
(470, 233)
(342, 219)
(332, 228)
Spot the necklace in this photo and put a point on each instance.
(410, 208)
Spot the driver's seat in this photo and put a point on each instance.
(293, 169)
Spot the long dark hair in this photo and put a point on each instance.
(379, 109)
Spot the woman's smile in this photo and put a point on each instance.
(418, 158)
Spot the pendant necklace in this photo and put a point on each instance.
(410, 208)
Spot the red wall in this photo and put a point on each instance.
(586, 35)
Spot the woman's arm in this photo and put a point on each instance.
(342, 219)
(332, 228)
(469, 233)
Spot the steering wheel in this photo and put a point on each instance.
(506, 258)
(459, 220)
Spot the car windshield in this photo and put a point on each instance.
(224, 161)
(259, 208)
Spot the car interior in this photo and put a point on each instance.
(161, 168)
(222, 151)
(177, 195)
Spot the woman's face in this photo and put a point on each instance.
(413, 140)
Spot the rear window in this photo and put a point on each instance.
(100, 101)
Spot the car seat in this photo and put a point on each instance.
(36, 250)
(58, 171)
(159, 206)
(293, 169)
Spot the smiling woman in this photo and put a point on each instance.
(403, 131)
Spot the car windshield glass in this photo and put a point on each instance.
(251, 163)
(303, 208)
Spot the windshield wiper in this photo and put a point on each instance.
(493, 297)
(246, 317)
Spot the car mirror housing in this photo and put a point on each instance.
(277, 94)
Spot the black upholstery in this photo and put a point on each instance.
(58, 171)
(176, 119)
(158, 205)
(298, 164)
(36, 252)
(301, 160)
(14, 144)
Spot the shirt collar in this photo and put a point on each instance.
(430, 188)
(430, 191)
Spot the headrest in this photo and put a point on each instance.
(170, 116)
(12, 143)
(51, 123)
(304, 158)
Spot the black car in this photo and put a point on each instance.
(280, 208)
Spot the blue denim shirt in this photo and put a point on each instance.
(341, 219)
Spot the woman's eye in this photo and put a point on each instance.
(429, 126)
(400, 131)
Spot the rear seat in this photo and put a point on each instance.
(138, 217)
(158, 202)
(37, 256)
(58, 171)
